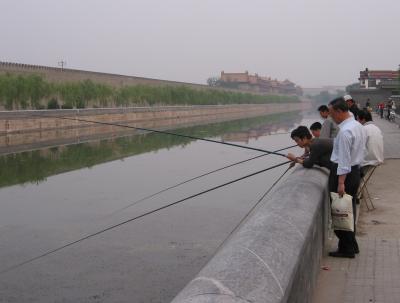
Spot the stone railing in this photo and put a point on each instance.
(274, 256)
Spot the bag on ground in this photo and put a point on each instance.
(342, 212)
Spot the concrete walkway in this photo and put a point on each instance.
(374, 275)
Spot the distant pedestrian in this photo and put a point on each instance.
(329, 127)
(347, 156)
(353, 108)
(389, 105)
(315, 129)
(381, 108)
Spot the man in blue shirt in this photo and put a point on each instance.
(347, 156)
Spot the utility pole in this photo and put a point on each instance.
(62, 63)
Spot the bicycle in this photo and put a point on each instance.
(392, 116)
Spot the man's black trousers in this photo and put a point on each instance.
(347, 239)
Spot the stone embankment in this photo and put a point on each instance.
(276, 254)
(27, 130)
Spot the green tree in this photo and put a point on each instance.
(213, 81)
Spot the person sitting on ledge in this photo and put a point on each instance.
(320, 148)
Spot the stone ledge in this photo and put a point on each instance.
(275, 255)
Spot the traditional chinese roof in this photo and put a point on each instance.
(378, 74)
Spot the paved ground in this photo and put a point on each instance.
(374, 275)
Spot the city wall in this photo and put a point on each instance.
(58, 75)
(375, 96)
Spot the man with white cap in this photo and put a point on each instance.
(352, 105)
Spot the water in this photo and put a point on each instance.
(53, 196)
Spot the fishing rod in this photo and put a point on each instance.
(191, 179)
(167, 133)
(13, 267)
(251, 210)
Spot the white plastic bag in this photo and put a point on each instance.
(342, 212)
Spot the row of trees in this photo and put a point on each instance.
(33, 92)
(325, 97)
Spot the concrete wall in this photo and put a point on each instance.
(275, 254)
(375, 95)
(39, 120)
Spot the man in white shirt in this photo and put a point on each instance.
(347, 156)
(374, 144)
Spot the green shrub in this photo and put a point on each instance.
(53, 104)
(66, 106)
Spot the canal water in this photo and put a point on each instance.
(56, 195)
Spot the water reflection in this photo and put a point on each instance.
(35, 166)
(151, 259)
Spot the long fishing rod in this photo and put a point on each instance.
(167, 133)
(192, 179)
(13, 267)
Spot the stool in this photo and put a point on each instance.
(363, 192)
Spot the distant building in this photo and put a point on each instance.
(376, 86)
(255, 83)
(373, 79)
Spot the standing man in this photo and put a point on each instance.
(352, 105)
(347, 156)
(329, 128)
(381, 107)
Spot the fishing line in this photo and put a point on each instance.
(13, 267)
(192, 179)
(167, 133)
(251, 210)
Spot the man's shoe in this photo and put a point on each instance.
(338, 254)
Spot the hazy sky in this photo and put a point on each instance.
(310, 42)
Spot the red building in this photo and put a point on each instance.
(255, 83)
(371, 79)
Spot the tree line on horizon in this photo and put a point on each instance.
(33, 92)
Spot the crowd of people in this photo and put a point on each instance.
(387, 108)
(347, 143)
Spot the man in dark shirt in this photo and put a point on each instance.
(320, 148)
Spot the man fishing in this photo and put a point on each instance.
(320, 149)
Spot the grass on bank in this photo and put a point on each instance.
(33, 92)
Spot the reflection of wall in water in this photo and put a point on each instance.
(58, 132)
(282, 126)
(37, 165)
